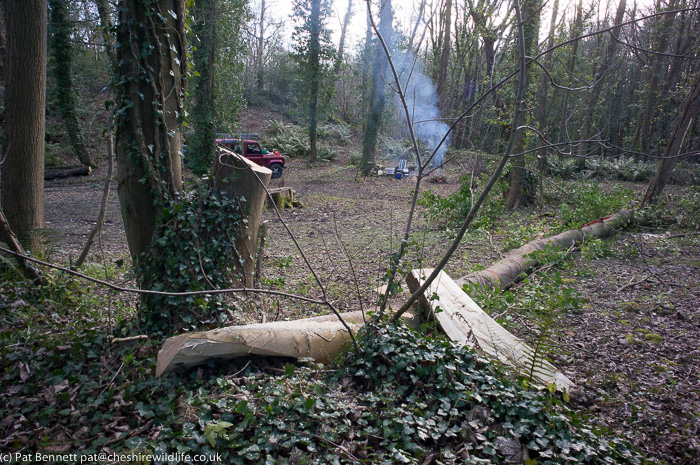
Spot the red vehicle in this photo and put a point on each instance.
(252, 151)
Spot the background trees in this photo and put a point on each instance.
(313, 52)
(62, 69)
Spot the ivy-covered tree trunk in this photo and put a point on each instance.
(151, 78)
(61, 28)
(25, 98)
(374, 116)
(203, 144)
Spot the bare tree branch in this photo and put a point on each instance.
(492, 181)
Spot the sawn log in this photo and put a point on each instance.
(464, 322)
(320, 338)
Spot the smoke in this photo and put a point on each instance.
(422, 100)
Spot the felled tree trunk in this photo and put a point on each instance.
(66, 172)
(320, 338)
(240, 178)
(510, 268)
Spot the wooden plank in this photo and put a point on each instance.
(466, 323)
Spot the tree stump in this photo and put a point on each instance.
(246, 181)
(284, 197)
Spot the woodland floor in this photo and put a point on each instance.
(634, 351)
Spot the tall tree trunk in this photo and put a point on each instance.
(315, 68)
(203, 144)
(25, 99)
(571, 68)
(544, 84)
(421, 11)
(659, 63)
(690, 111)
(520, 192)
(445, 55)
(594, 96)
(343, 34)
(61, 29)
(105, 26)
(152, 66)
(374, 117)
(260, 52)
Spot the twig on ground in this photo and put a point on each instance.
(163, 293)
(129, 339)
(494, 246)
(632, 284)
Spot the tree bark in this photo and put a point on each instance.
(690, 111)
(343, 34)
(152, 69)
(242, 179)
(25, 99)
(8, 237)
(571, 68)
(103, 206)
(659, 63)
(3, 41)
(260, 52)
(66, 172)
(542, 106)
(105, 27)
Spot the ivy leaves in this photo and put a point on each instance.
(193, 250)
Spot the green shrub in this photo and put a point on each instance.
(587, 202)
(622, 168)
(452, 210)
